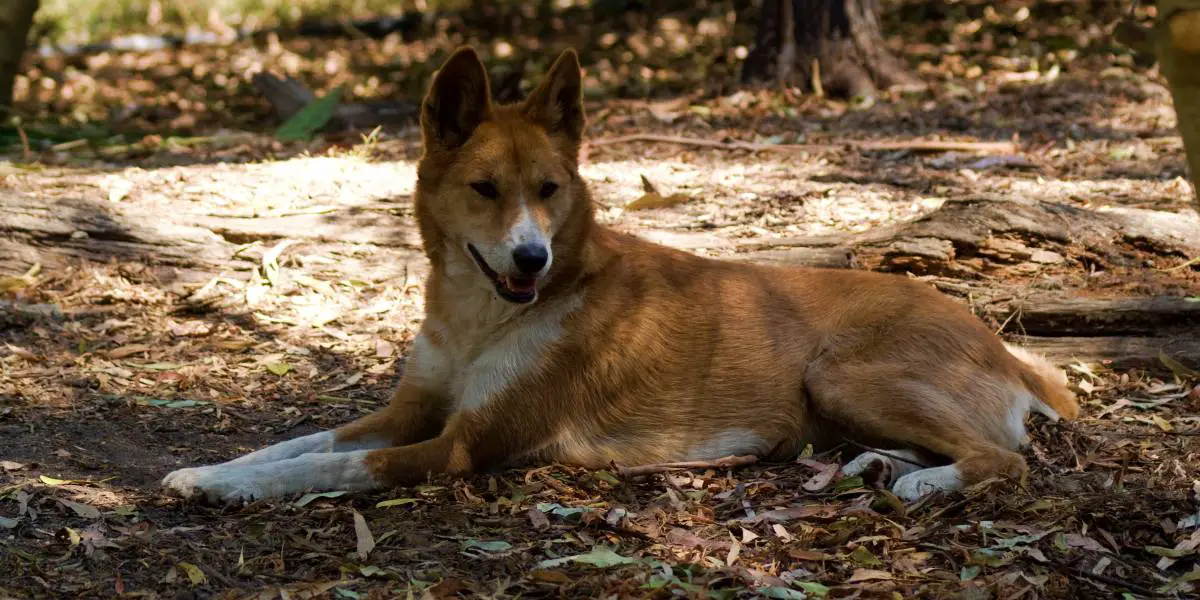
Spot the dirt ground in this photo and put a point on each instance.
(208, 291)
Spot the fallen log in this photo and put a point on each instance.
(1047, 316)
(1003, 230)
(35, 231)
(1118, 352)
(868, 146)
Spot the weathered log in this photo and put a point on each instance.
(1091, 316)
(840, 258)
(34, 230)
(187, 246)
(968, 228)
(381, 228)
(1117, 352)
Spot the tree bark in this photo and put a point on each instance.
(1178, 46)
(837, 45)
(16, 17)
(1175, 41)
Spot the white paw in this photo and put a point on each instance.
(917, 484)
(214, 484)
(876, 469)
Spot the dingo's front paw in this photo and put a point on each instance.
(214, 484)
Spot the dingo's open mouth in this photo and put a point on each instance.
(514, 289)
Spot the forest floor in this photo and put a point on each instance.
(181, 288)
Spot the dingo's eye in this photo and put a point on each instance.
(548, 189)
(486, 189)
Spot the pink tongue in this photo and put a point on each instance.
(520, 284)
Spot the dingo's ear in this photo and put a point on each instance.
(458, 101)
(557, 104)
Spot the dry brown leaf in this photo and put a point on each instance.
(683, 537)
(808, 554)
(128, 350)
(1076, 540)
(822, 479)
(23, 353)
(362, 533)
(783, 515)
(86, 511)
(735, 550)
(868, 575)
(549, 576)
(653, 200)
(648, 186)
(538, 518)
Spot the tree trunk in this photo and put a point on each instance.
(838, 47)
(16, 16)
(1178, 46)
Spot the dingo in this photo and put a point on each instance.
(548, 337)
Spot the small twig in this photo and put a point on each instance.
(721, 463)
(887, 454)
(558, 486)
(945, 509)
(1153, 434)
(1105, 579)
(1186, 264)
(818, 89)
(26, 152)
(914, 145)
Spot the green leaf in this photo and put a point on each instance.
(1020, 540)
(817, 589)
(371, 571)
(1123, 153)
(165, 403)
(46, 479)
(8, 522)
(969, 573)
(862, 556)
(194, 574)
(1178, 582)
(560, 510)
(601, 556)
(396, 502)
(606, 477)
(310, 119)
(492, 546)
(781, 593)
(848, 483)
(307, 498)
(1169, 552)
(990, 558)
(1179, 369)
(279, 368)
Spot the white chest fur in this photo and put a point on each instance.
(476, 367)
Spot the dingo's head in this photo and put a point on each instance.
(498, 186)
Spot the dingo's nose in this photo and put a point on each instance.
(530, 258)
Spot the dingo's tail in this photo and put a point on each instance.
(1047, 383)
